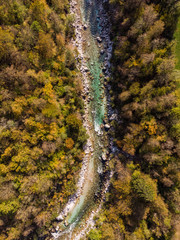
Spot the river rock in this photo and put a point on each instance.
(60, 218)
(104, 157)
(86, 69)
(107, 126)
(113, 117)
(99, 39)
(86, 151)
(57, 228)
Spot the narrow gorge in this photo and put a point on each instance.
(92, 31)
(89, 119)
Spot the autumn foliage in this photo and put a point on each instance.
(143, 202)
(41, 132)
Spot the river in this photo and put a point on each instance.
(92, 29)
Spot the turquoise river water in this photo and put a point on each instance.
(94, 45)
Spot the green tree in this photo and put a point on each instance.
(94, 235)
(144, 186)
(46, 46)
(6, 43)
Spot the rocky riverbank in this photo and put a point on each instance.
(105, 49)
(88, 150)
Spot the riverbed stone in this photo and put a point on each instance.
(60, 218)
(104, 157)
(107, 126)
(86, 69)
(99, 39)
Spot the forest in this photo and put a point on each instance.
(41, 131)
(41, 119)
(143, 200)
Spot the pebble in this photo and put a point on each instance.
(99, 39)
(60, 218)
(85, 26)
(103, 156)
(107, 126)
